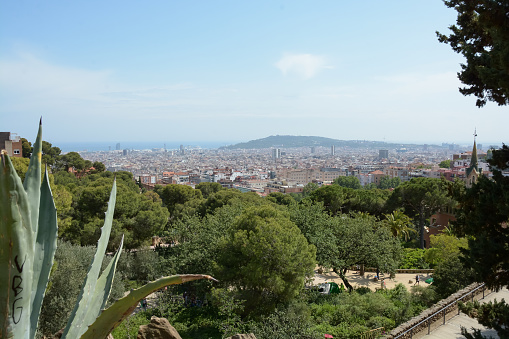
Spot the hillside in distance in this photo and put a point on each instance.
(290, 141)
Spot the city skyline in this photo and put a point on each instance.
(228, 72)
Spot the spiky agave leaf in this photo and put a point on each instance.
(76, 324)
(102, 289)
(44, 251)
(122, 308)
(16, 253)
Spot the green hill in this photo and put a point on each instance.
(289, 141)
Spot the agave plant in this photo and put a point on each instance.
(28, 240)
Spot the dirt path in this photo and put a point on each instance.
(356, 280)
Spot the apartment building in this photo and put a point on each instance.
(11, 143)
(307, 175)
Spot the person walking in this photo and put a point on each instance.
(416, 279)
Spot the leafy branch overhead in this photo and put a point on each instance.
(481, 35)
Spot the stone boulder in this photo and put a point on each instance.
(159, 328)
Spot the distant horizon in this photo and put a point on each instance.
(97, 146)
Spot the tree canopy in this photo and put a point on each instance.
(420, 198)
(445, 164)
(481, 35)
(348, 181)
(346, 240)
(265, 258)
(387, 182)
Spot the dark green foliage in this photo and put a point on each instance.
(413, 258)
(143, 265)
(310, 187)
(451, 275)
(484, 215)
(349, 315)
(71, 160)
(265, 259)
(26, 148)
(197, 240)
(443, 247)
(333, 197)
(424, 297)
(98, 167)
(129, 327)
(66, 179)
(68, 273)
(348, 182)
(281, 199)
(445, 164)
(229, 197)
(207, 188)
(21, 166)
(347, 240)
(283, 324)
(190, 321)
(337, 199)
(399, 224)
(500, 158)
(370, 201)
(50, 154)
(420, 198)
(173, 195)
(493, 315)
(137, 216)
(387, 182)
(481, 35)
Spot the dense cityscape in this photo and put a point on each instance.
(287, 169)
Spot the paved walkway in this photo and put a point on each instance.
(452, 328)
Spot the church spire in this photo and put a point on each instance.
(474, 164)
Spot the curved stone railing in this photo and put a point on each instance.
(438, 314)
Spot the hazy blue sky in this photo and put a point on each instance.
(235, 71)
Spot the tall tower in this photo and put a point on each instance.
(276, 153)
(383, 154)
(333, 150)
(473, 171)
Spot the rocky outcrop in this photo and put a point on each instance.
(159, 328)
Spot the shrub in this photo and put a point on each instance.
(413, 258)
(67, 276)
(129, 327)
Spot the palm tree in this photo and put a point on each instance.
(399, 223)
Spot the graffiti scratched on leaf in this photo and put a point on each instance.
(17, 288)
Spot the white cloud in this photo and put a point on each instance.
(32, 83)
(304, 65)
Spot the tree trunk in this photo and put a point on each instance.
(341, 273)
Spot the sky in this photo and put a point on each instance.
(234, 71)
